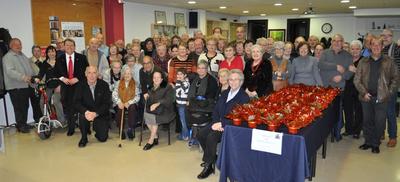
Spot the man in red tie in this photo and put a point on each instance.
(70, 68)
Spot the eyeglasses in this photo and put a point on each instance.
(234, 79)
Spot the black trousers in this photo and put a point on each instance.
(209, 140)
(35, 103)
(20, 102)
(100, 126)
(67, 96)
(352, 111)
(374, 115)
(132, 117)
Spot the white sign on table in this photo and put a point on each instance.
(266, 141)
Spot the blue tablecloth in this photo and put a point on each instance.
(236, 160)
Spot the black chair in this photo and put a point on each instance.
(168, 131)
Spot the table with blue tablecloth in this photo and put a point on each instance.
(238, 162)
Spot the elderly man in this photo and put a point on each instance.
(93, 102)
(95, 57)
(392, 50)
(36, 63)
(210, 135)
(334, 69)
(102, 47)
(198, 34)
(376, 80)
(121, 47)
(199, 48)
(265, 44)
(240, 34)
(17, 78)
(113, 74)
(312, 41)
(59, 47)
(162, 58)
(70, 68)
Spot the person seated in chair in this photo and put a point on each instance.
(93, 102)
(160, 108)
(210, 135)
(126, 96)
(201, 96)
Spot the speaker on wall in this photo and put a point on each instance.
(193, 19)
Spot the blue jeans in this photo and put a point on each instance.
(337, 128)
(391, 116)
(182, 116)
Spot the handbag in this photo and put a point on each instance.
(157, 111)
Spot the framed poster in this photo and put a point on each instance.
(277, 34)
(179, 19)
(160, 17)
(75, 31)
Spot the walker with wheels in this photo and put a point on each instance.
(49, 119)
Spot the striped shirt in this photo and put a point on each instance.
(181, 90)
(393, 51)
(175, 64)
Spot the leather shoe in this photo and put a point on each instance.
(148, 146)
(392, 142)
(82, 143)
(155, 141)
(375, 150)
(70, 132)
(207, 170)
(365, 146)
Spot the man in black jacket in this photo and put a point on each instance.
(70, 68)
(93, 101)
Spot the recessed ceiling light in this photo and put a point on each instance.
(222, 7)
(352, 7)
(159, 22)
(344, 1)
(278, 4)
(191, 2)
(295, 9)
(263, 14)
(73, 4)
(245, 11)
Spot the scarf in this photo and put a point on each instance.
(126, 93)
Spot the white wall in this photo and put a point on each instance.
(139, 17)
(16, 16)
(346, 24)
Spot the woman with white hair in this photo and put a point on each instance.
(126, 97)
(210, 135)
(280, 66)
(351, 103)
(257, 74)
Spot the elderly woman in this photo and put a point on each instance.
(304, 68)
(162, 58)
(287, 51)
(134, 66)
(280, 66)
(181, 61)
(257, 74)
(160, 108)
(210, 135)
(351, 103)
(212, 57)
(223, 75)
(113, 54)
(126, 96)
(232, 61)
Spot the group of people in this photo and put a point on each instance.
(198, 80)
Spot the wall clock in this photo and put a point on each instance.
(326, 28)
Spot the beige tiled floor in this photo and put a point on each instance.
(29, 159)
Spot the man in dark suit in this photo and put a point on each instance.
(93, 101)
(70, 68)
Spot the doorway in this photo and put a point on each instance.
(298, 27)
(256, 29)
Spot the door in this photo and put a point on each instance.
(256, 29)
(298, 27)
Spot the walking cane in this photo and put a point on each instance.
(121, 128)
